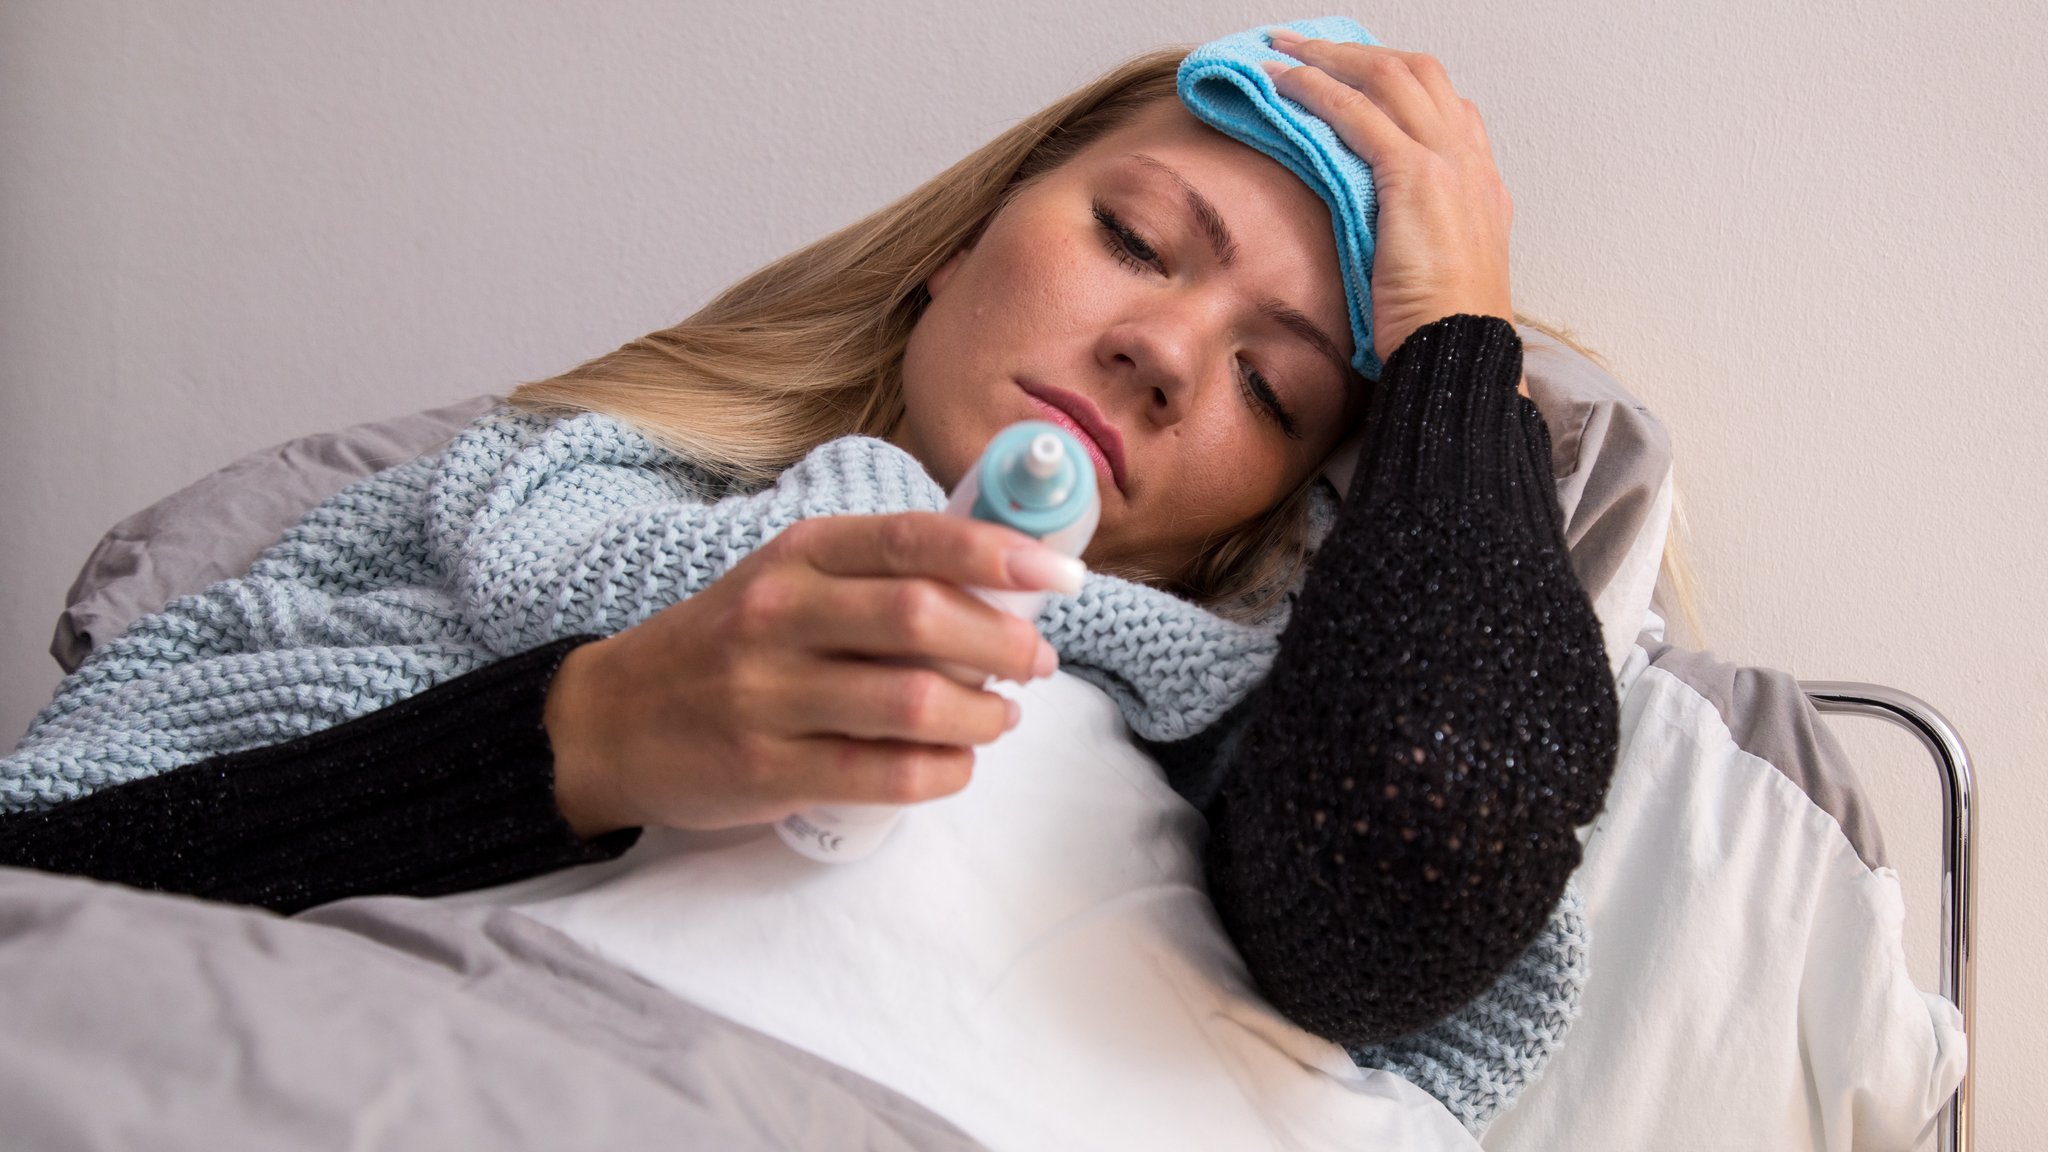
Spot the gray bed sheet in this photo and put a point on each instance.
(141, 1020)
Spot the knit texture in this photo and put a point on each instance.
(1423, 834)
(522, 531)
(1479, 1059)
(527, 529)
(447, 791)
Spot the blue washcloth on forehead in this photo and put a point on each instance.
(1223, 84)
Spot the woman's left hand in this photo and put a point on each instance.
(1444, 214)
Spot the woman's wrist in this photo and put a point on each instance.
(585, 787)
(1397, 331)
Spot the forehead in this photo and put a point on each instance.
(1221, 167)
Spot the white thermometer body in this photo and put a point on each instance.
(1034, 477)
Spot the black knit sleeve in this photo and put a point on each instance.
(448, 790)
(1392, 813)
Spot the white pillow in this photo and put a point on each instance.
(1612, 462)
(1748, 986)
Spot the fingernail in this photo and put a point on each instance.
(1284, 35)
(1047, 663)
(1015, 712)
(1275, 69)
(1044, 568)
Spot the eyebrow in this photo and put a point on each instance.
(1210, 220)
(1298, 323)
(1225, 246)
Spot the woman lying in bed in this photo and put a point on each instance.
(682, 584)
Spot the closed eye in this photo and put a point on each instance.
(1125, 244)
(1265, 402)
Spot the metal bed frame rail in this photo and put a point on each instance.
(1958, 859)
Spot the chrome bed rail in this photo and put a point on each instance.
(1958, 858)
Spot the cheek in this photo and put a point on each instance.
(1009, 300)
(1224, 489)
(1231, 458)
(1022, 302)
(1217, 485)
(1038, 286)
(1235, 466)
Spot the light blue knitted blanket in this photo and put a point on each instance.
(526, 529)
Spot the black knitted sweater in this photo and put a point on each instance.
(1392, 813)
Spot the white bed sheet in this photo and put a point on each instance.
(1034, 959)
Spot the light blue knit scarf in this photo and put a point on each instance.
(527, 529)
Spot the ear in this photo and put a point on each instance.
(936, 282)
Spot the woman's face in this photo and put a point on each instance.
(1172, 297)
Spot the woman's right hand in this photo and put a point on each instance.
(804, 676)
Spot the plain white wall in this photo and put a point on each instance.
(1809, 233)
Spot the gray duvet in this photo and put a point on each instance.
(136, 1020)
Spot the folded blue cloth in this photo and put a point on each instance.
(1223, 84)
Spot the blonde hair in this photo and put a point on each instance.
(810, 347)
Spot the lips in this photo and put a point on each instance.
(1078, 415)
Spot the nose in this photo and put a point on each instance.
(1162, 355)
